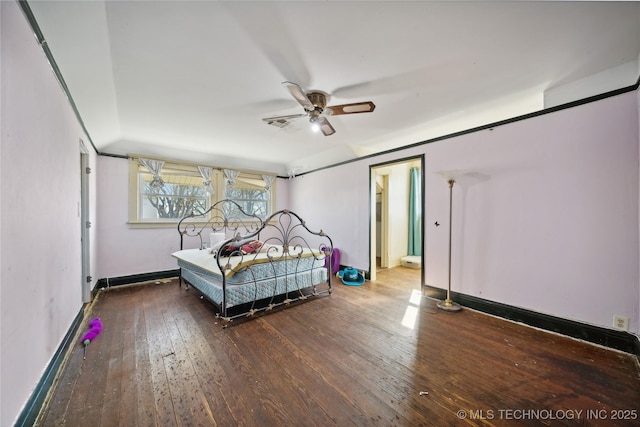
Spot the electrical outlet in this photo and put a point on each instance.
(620, 322)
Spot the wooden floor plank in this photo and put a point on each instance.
(159, 347)
(115, 332)
(209, 374)
(281, 378)
(306, 379)
(386, 360)
(351, 358)
(91, 387)
(235, 375)
(127, 411)
(189, 401)
(348, 369)
(64, 387)
(145, 412)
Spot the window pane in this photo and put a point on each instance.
(180, 195)
(252, 201)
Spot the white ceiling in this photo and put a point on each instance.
(192, 80)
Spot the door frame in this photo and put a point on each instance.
(85, 223)
(372, 214)
(384, 228)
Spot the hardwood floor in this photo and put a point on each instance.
(375, 355)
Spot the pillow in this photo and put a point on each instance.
(215, 238)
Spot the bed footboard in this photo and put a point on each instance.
(261, 266)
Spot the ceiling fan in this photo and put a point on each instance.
(315, 107)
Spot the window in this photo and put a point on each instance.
(181, 194)
(184, 191)
(250, 193)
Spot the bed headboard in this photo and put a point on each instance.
(225, 216)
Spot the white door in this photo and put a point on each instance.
(86, 278)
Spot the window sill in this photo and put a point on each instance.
(163, 224)
(152, 224)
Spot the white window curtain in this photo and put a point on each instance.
(268, 180)
(154, 166)
(206, 172)
(230, 176)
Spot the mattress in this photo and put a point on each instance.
(264, 289)
(252, 277)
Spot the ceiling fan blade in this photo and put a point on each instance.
(325, 126)
(357, 107)
(282, 121)
(297, 92)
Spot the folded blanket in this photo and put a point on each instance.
(237, 248)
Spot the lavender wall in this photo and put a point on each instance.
(546, 219)
(41, 284)
(123, 250)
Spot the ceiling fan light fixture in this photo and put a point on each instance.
(315, 126)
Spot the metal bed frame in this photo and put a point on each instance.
(287, 237)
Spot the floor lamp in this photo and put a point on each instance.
(448, 304)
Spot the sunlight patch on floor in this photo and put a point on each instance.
(411, 312)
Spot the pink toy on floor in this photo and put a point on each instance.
(96, 328)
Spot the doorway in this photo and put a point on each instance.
(390, 203)
(382, 222)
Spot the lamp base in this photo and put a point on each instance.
(448, 305)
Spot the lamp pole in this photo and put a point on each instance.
(448, 304)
